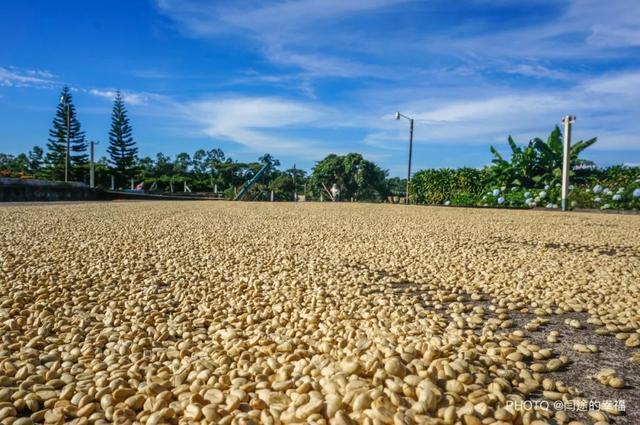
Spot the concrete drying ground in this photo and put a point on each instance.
(220, 312)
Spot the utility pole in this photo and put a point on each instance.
(65, 103)
(92, 164)
(295, 192)
(566, 147)
(398, 116)
(410, 153)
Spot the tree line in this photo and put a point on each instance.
(204, 170)
(536, 165)
(66, 129)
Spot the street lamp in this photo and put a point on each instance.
(92, 165)
(566, 153)
(398, 115)
(63, 100)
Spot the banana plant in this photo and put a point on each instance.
(520, 170)
(550, 155)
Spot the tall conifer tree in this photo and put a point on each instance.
(122, 148)
(64, 120)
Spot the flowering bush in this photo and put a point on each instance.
(618, 189)
(580, 197)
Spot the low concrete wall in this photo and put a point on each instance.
(26, 190)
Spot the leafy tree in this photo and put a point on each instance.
(122, 149)
(273, 163)
(57, 144)
(146, 167)
(199, 163)
(396, 186)
(355, 176)
(215, 158)
(164, 166)
(285, 184)
(36, 159)
(182, 163)
(6, 164)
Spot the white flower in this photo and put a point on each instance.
(621, 190)
(537, 199)
(496, 192)
(587, 190)
(513, 189)
(597, 199)
(597, 188)
(484, 198)
(527, 195)
(542, 194)
(503, 188)
(546, 187)
(574, 204)
(558, 185)
(501, 200)
(447, 202)
(617, 197)
(606, 191)
(549, 205)
(571, 187)
(606, 206)
(554, 206)
(636, 193)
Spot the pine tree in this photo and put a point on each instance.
(35, 156)
(57, 144)
(122, 150)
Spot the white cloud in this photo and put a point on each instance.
(288, 33)
(625, 84)
(15, 77)
(260, 124)
(537, 71)
(606, 107)
(266, 19)
(132, 98)
(316, 65)
(585, 29)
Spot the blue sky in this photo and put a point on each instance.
(303, 78)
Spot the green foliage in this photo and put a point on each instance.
(13, 166)
(287, 183)
(64, 120)
(356, 177)
(537, 164)
(396, 186)
(122, 149)
(616, 176)
(436, 186)
(36, 160)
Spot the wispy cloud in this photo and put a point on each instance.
(537, 71)
(130, 97)
(606, 107)
(284, 31)
(257, 123)
(16, 77)
(584, 29)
